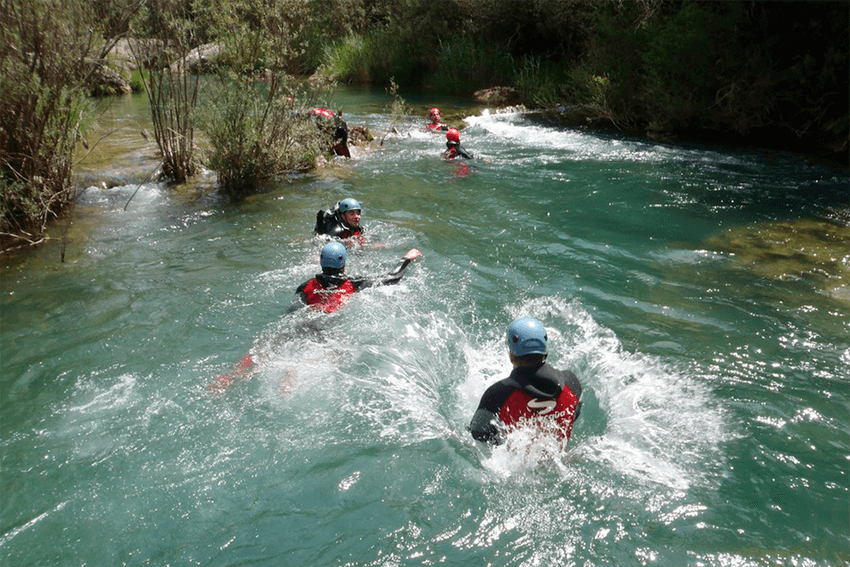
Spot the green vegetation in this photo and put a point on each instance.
(172, 89)
(398, 109)
(46, 53)
(137, 81)
(463, 62)
(744, 70)
(255, 117)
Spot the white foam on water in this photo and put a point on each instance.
(660, 426)
(549, 144)
(139, 195)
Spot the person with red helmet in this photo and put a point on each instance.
(436, 123)
(335, 127)
(535, 394)
(453, 147)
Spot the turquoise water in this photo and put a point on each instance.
(701, 294)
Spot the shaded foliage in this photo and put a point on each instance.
(255, 119)
(730, 66)
(47, 50)
(737, 69)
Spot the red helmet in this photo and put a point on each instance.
(434, 112)
(453, 135)
(322, 112)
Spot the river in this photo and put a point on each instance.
(700, 293)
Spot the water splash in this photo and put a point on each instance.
(641, 418)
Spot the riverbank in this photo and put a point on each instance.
(821, 146)
(819, 149)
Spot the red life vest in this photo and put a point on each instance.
(328, 300)
(355, 234)
(341, 149)
(548, 414)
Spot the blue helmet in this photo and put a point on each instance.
(348, 205)
(333, 255)
(527, 336)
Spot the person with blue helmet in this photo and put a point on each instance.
(342, 221)
(535, 393)
(329, 290)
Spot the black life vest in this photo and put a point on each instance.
(324, 221)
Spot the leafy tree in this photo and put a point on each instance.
(48, 51)
(255, 117)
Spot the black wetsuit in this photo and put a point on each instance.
(453, 150)
(529, 393)
(334, 128)
(340, 146)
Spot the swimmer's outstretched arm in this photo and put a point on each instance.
(395, 275)
(485, 427)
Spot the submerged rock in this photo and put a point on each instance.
(793, 249)
(577, 116)
(359, 135)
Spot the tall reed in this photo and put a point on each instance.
(169, 83)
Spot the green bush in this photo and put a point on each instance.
(681, 59)
(44, 65)
(375, 57)
(256, 140)
(546, 84)
(254, 117)
(172, 89)
(613, 70)
(349, 60)
(137, 80)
